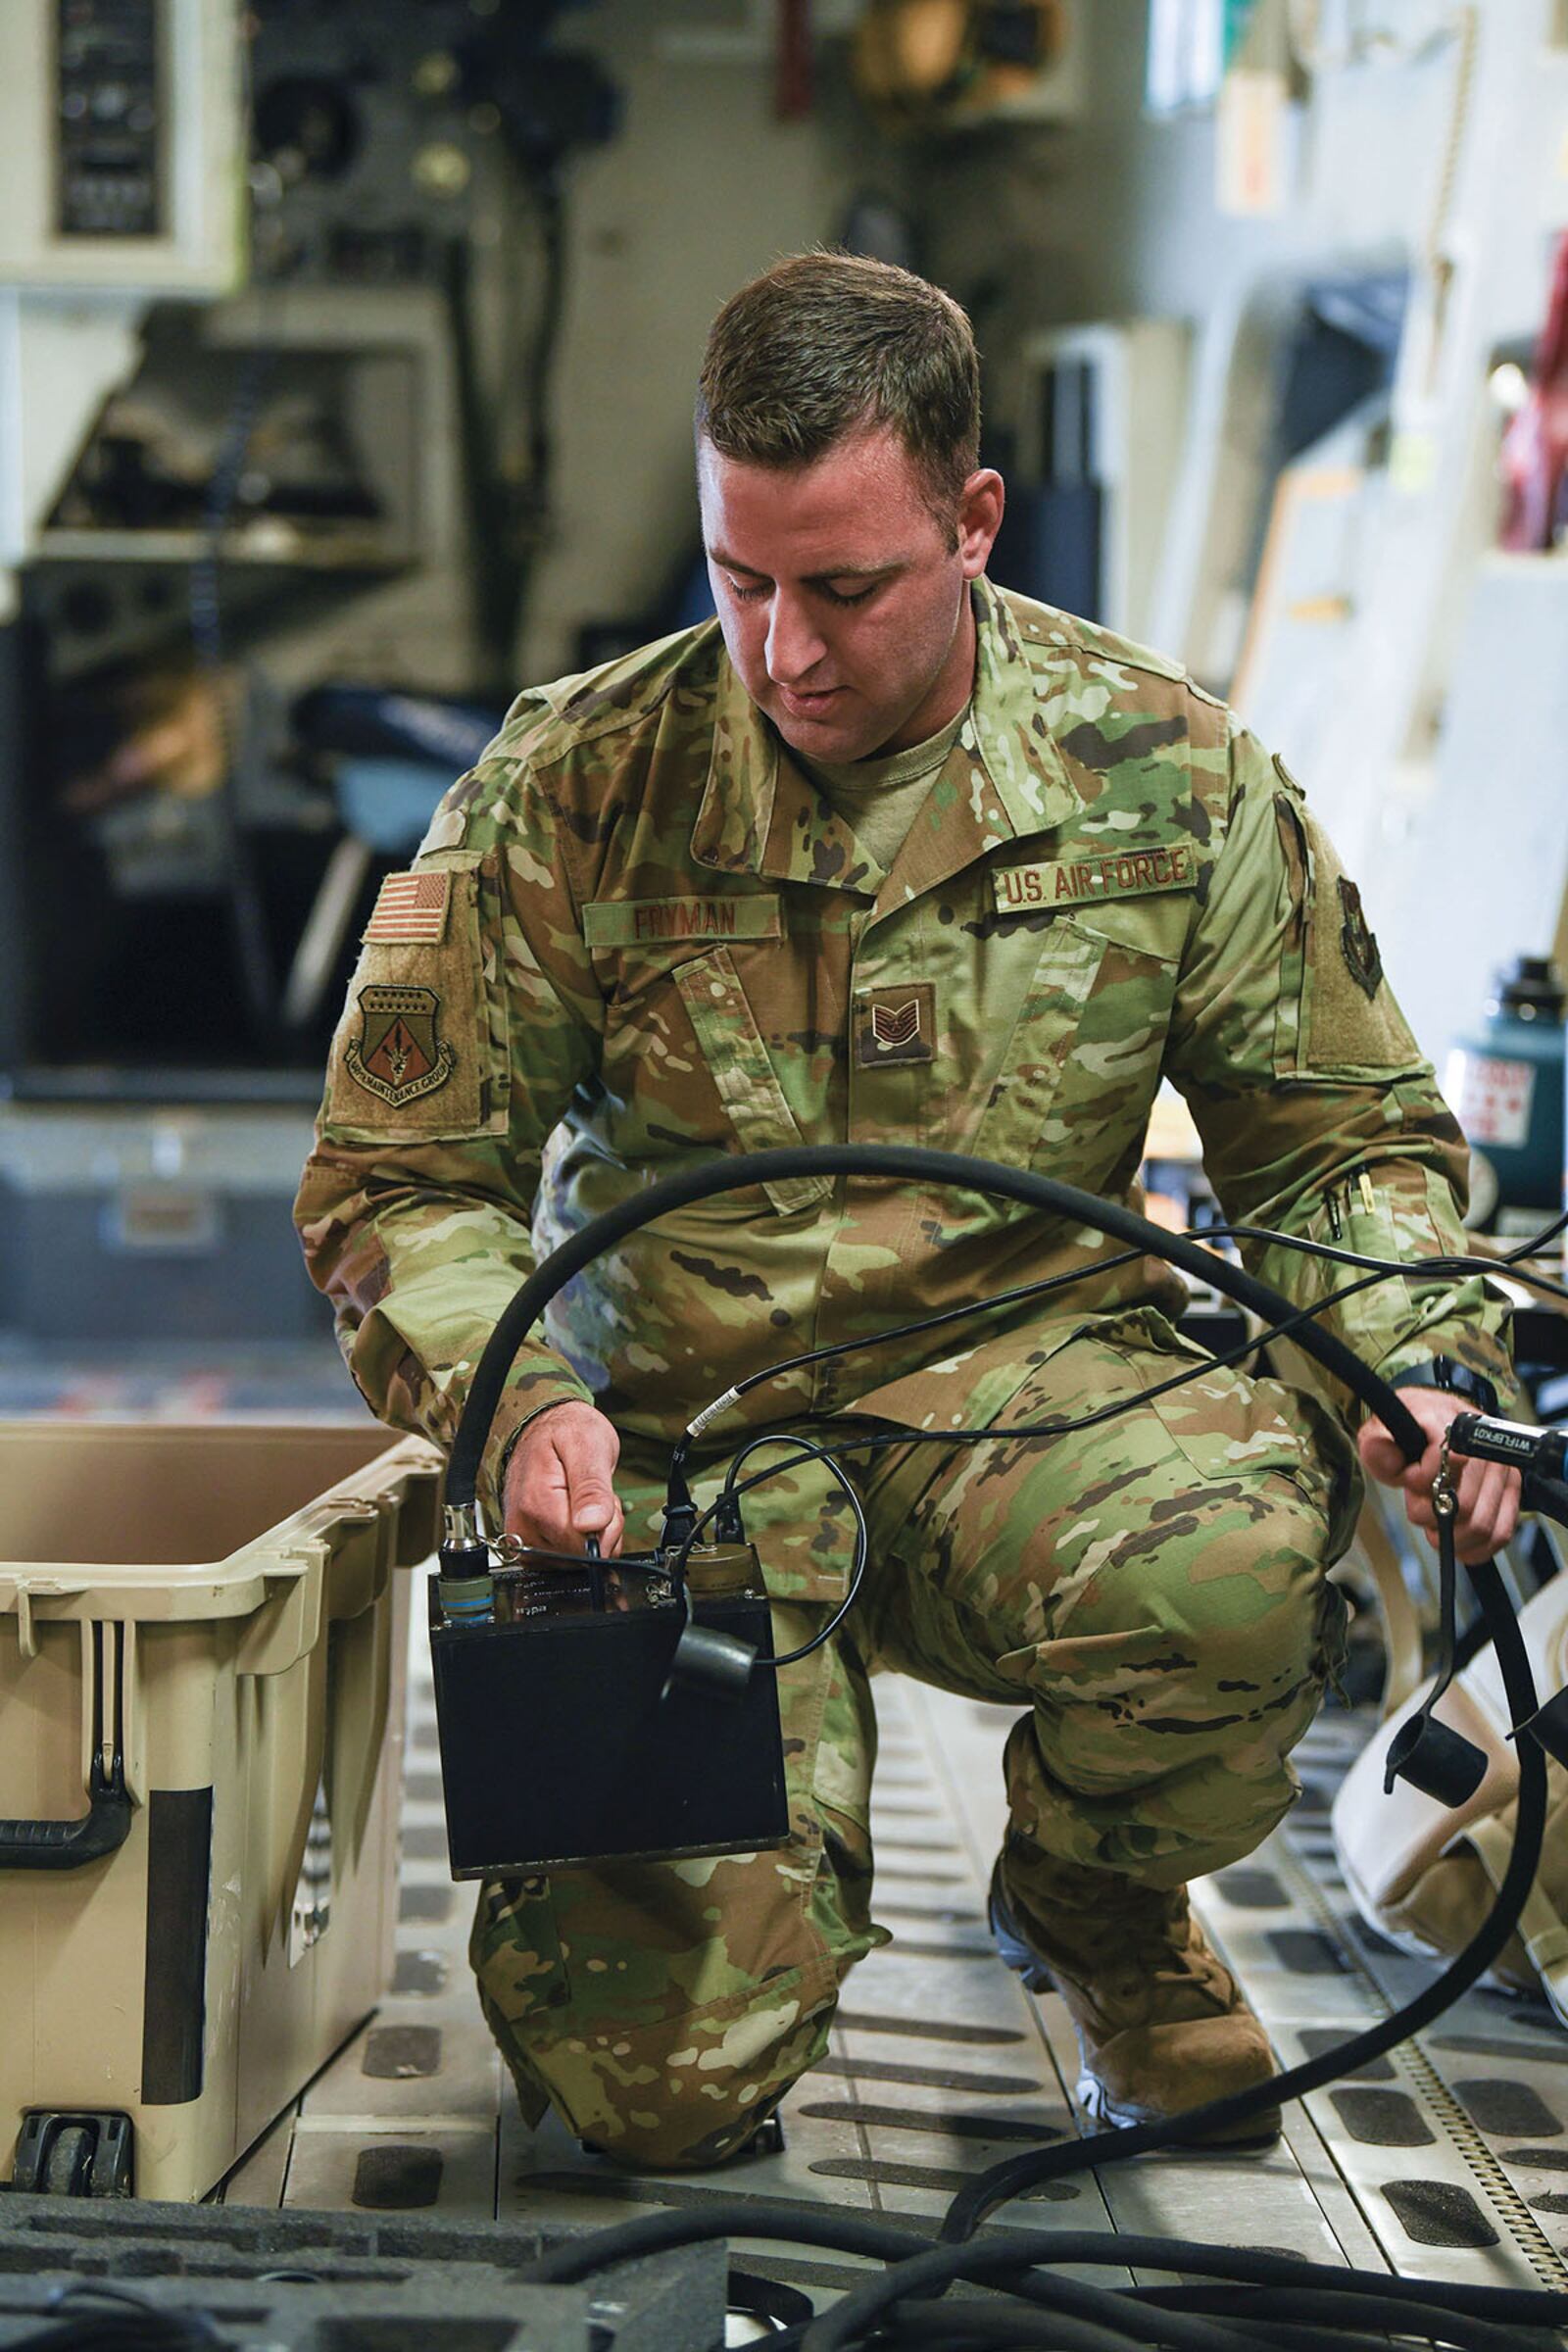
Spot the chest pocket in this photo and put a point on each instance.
(742, 1070)
(1014, 1125)
(421, 1051)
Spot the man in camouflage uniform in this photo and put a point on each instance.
(891, 855)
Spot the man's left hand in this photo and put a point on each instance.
(1489, 1492)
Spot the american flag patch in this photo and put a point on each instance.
(412, 910)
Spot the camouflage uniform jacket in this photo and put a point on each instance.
(636, 937)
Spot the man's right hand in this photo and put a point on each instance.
(560, 1481)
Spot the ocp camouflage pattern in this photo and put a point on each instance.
(662, 945)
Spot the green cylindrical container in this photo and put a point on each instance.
(1505, 1085)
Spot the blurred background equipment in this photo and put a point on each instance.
(367, 429)
(949, 64)
(1535, 447)
(280, 293)
(1505, 1083)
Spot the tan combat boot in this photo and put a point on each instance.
(1161, 2024)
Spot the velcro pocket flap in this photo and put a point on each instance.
(742, 1071)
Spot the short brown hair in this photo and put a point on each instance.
(826, 344)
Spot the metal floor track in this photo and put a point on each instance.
(1446, 2161)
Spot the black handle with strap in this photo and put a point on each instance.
(67, 1844)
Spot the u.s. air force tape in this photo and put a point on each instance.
(1111, 874)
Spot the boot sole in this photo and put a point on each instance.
(1257, 2132)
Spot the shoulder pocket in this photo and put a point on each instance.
(422, 1051)
(1337, 1015)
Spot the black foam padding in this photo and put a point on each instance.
(1316, 2040)
(1552, 2201)
(1496, 2105)
(420, 1972)
(431, 1903)
(1381, 2119)
(924, 2029)
(397, 2178)
(1439, 2213)
(1307, 1953)
(929, 2077)
(340, 2282)
(1541, 2160)
(402, 2053)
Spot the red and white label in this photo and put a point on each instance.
(410, 910)
(1492, 1098)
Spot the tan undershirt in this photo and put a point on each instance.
(879, 800)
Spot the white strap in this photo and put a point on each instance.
(1401, 1620)
(1541, 1927)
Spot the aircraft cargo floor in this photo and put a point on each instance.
(1448, 2160)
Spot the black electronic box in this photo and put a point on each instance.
(565, 1739)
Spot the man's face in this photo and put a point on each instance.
(844, 604)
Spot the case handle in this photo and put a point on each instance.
(67, 1844)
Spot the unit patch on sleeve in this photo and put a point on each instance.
(1112, 874)
(1356, 940)
(896, 1024)
(397, 1054)
(410, 910)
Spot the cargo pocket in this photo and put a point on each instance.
(514, 1951)
(1229, 1424)
(422, 1051)
(743, 1074)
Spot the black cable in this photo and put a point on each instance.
(809, 1450)
(1335, 2308)
(1416, 1269)
(1382, 1270)
(1419, 1269)
(129, 2323)
(987, 2260)
(1035, 1191)
(939, 2266)
(860, 2233)
(1010, 2180)
(971, 2328)
(899, 1331)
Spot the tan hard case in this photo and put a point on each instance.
(220, 1607)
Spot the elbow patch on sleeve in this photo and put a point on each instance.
(1338, 1017)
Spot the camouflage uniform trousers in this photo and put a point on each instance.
(1150, 1590)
